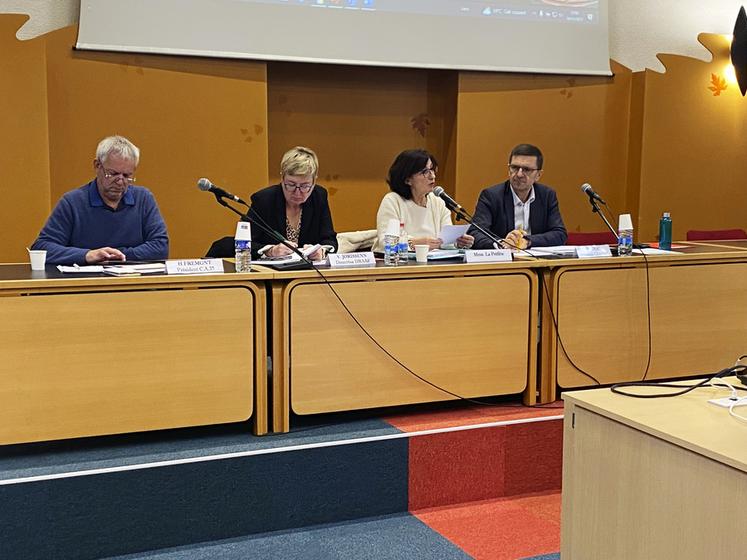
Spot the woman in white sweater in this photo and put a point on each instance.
(412, 178)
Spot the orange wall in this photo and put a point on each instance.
(693, 147)
(356, 119)
(647, 142)
(24, 147)
(580, 124)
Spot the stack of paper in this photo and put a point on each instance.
(134, 269)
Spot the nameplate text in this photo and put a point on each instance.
(195, 266)
(487, 255)
(341, 260)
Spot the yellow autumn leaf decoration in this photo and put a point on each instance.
(718, 84)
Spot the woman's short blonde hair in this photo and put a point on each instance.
(299, 161)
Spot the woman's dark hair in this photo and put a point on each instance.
(405, 165)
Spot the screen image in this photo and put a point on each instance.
(581, 11)
(539, 36)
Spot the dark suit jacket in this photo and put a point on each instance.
(495, 213)
(268, 204)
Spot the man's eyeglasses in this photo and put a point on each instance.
(427, 171)
(126, 177)
(292, 187)
(514, 169)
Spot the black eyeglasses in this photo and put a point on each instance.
(514, 169)
(292, 187)
(427, 171)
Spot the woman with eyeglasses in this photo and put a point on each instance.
(297, 208)
(412, 178)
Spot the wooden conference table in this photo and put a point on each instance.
(192, 349)
(85, 356)
(652, 478)
(469, 329)
(600, 306)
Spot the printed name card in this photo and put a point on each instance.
(195, 266)
(341, 260)
(488, 255)
(593, 251)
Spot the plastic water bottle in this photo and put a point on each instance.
(391, 243)
(243, 247)
(665, 232)
(404, 244)
(625, 236)
(391, 249)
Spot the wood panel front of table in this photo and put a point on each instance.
(96, 356)
(466, 331)
(652, 478)
(602, 309)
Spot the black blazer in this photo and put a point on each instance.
(268, 205)
(495, 213)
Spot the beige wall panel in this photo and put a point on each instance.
(24, 146)
(191, 118)
(356, 119)
(580, 123)
(694, 146)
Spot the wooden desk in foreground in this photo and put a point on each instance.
(469, 329)
(652, 478)
(86, 356)
(698, 324)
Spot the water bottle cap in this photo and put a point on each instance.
(392, 227)
(625, 222)
(666, 214)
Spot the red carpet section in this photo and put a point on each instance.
(522, 454)
(469, 416)
(502, 529)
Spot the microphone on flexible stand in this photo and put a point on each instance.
(451, 204)
(204, 184)
(586, 187)
(220, 194)
(593, 198)
(462, 214)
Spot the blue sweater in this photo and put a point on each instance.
(81, 221)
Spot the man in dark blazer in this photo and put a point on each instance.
(522, 211)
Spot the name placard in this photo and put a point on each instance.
(593, 251)
(487, 255)
(340, 260)
(194, 266)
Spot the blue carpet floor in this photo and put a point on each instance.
(42, 459)
(395, 537)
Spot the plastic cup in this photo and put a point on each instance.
(392, 227)
(421, 253)
(625, 222)
(38, 259)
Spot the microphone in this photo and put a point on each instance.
(450, 202)
(586, 187)
(205, 185)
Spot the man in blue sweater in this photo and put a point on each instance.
(109, 219)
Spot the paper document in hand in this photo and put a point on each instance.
(449, 234)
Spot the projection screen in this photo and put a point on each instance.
(545, 36)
